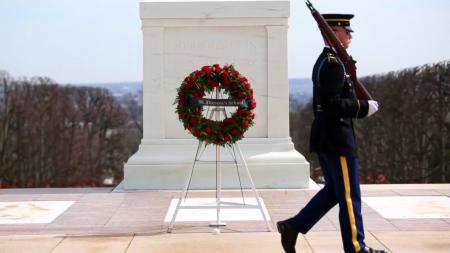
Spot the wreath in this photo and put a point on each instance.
(226, 80)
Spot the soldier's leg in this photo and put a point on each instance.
(320, 204)
(349, 198)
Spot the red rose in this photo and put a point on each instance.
(242, 79)
(193, 79)
(226, 81)
(208, 130)
(229, 121)
(235, 72)
(203, 120)
(245, 123)
(221, 124)
(250, 96)
(234, 132)
(213, 83)
(248, 113)
(198, 72)
(197, 132)
(192, 120)
(226, 138)
(207, 70)
(217, 68)
(234, 86)
(225, 75)
(247, 86)
(182, 115)
(216, 142)
(226, 67)
(253, 105)
(242, 94)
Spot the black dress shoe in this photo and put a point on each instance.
(288, 236)
(370, 250)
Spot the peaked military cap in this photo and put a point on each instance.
(339, 20)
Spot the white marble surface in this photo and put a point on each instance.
(411, 207)
(182, 36)
(229, 214)
(189, 48)
(175, 45)
(164, 164)
(213, 8)
(26, 212)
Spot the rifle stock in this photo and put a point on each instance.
(349, 63)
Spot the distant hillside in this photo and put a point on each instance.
(301, 90)
(302, 86)
(117, 88)
(298, 87)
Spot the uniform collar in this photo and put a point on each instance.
(329, 49)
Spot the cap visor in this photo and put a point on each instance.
(348, 28)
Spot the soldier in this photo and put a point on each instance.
(333, 140)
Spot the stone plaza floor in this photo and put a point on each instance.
(399, 218)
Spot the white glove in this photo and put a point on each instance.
(373, 107)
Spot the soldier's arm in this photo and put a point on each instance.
(331, 78)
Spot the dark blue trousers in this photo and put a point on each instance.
(341, 187)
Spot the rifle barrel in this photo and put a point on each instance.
(349, 63)
(310, 6)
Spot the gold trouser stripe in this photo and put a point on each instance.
(348, 199)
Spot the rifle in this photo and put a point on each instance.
(349, 63)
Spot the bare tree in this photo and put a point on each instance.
(53, 135)
(407, 141)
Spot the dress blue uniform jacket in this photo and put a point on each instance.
(334, 105)
(333, 139)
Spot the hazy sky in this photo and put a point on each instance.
(101, 41)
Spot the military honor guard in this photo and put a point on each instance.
(333, 140)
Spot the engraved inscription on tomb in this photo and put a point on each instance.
(198, 45)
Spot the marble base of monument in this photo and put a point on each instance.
(164, 164)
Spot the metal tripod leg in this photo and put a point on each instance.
(253, 188)
(218, 223)
(188, 181)
(233, 155)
